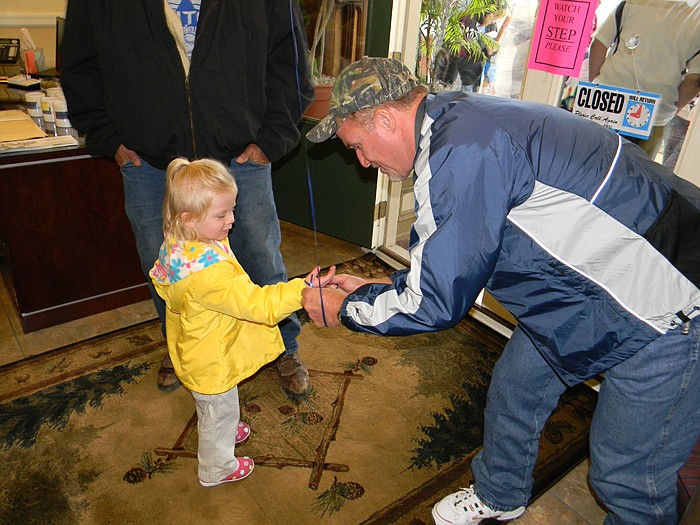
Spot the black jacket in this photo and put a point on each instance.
(125, 83)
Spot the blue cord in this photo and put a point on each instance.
(306, 157)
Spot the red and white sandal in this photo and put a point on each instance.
(242, 432)
(243, 470)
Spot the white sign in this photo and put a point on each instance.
(627, 111)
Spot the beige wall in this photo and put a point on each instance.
(39, 17)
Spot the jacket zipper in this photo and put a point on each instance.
(189, 109)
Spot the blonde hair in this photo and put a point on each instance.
(190, 188)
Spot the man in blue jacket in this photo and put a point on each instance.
(150, 81)
(593, 248)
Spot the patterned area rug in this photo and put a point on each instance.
(390, 427)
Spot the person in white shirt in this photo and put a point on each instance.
(658, 43)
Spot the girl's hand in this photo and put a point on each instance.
(316, 280)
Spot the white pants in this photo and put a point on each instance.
(217, 422)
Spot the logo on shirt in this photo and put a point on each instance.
(188, 10)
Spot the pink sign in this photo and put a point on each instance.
(561, 36)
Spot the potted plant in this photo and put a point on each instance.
(443, 36)
(323, 83)
(341, 25)
(317, 43)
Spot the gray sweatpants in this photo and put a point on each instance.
(217, 422)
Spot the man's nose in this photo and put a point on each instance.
(360, 156)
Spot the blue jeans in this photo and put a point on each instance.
(255, 237)
(674, 136)
(646, 421)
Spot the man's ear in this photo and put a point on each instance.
(384, 119)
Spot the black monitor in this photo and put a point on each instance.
(60, 28)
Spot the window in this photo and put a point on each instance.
(336, 33)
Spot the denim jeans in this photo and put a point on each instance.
(674, 136)
(646, 422)
(255, 237)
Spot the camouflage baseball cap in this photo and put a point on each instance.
(368, 82)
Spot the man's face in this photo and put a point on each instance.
(377, 146)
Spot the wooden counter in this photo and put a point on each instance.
(69, 245)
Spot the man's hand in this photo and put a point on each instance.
(688, 89)
(345, 282)
(332, 301)
(124, 155)
(350, 283)
(254, 154)
(334, 293)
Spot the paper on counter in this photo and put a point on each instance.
(44, 143)
(13, 114)
(16, 125)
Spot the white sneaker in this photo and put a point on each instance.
(465, 507)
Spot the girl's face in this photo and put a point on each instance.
(219, 219)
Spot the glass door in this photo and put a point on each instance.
(440, 37)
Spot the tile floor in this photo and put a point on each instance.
(569, 502)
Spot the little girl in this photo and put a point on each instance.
(220, 327)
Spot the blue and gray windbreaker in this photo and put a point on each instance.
(592, 247)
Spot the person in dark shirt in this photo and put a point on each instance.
(149, 81)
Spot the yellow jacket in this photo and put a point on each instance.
(220, 327)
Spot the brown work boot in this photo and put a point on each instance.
(294, 377)
(167, 380)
